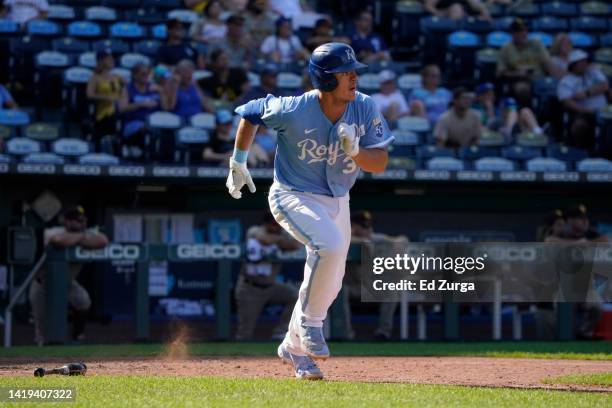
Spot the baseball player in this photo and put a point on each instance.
(324, 137)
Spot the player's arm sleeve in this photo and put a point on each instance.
(263, 111)
(376, 131)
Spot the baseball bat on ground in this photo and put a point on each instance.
(68, 369)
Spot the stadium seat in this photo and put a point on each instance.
(407, 82)
(159, 32)
(130, 59)
(520, 153)
(491, 139)
(53, 59)
(76, 104)
(121, 4)
(203, 120)
(549, 24)
(557, 8)
(486, 65)
(368, 83)
(289, 81)
(435, 31)
(544, 38)
(124, 73)
(199, 74)
(589, 24)
(189, 142)
(5, 132)
(70, 147)
(477, 25)
(14, 118)
(254, 78)
(445, 163)
(145, 17)
(604, 55)
(100, 159)
(530, 139)
(404, 144)
(462, 47)
(594, 164)
(163, 126)
(545, 164)
(493, 164)
(403, 163)
(127, 31)
(70, 46)
(582, 40)
(605, 40)
(48, 80)
(21, 146)
(224, 231)
(566, 153)
(162, 4)
(406, 25)
(42, 132)
(497, 39)
(5, 159)
(525, 9)
(84, 29)
(185, 16)
(61, 12)
(475, 152)
(431, 151)
(43, 28)
(8, 27)
(22, 61)
(101, 14)
(43, 158)
(147, 47)
(116, 46)
(463, 39)
(595, 8)
(87, 60)
(413, 124)
(503, 23)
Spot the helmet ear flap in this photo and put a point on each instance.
(321, 80)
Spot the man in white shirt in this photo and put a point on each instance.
(582, 92)
(390, 101)
(283, 47)
(22, 11)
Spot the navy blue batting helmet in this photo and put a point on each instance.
(328, 59)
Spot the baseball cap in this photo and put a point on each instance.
(577, 55)
(161, 71)
(576, 211)
(518, 25)
(386, 75)
(484, 87)
(362, 218)
(103, 53)
(224, 117)
(73, 212)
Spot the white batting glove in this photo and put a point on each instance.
(349, 138)
(236, 179)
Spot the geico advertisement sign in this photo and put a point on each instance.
(208, 251)
(112, 251)
(509, 253)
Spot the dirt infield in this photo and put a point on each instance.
(472, 371)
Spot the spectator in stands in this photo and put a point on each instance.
(505, 118)
(257, 283)
(22, 11)
(560, 52)
(234, 6)
(283, 47)
(176, 49)
(368, 45)
(323, 33)
(236, 44)
(196, 5)
(390, 101)
(226, 85)
(460, 125)
(209, 29)
(182, 95)
(583, 93)
(138, 100)
(457, 9)
(430, 100)
(74, 232)
(260, 21)
(104, 89)
(521, 61)
(267, 85)
(6, 99)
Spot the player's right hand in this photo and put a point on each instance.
(238, 176)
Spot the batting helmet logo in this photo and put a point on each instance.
(328, 59)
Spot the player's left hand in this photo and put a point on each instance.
(238, 176)
(349, 138)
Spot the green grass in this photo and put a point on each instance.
(561, 350)
(106, 391)
(604, 379)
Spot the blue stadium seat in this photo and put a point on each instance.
(130, 59)
(503, 23)
(147, 47)
(164, 120)
(545, 164)
(8, 27)
(201, 74)
(549, 24)
(493, 164)
(61, 12)
(462, 47)
(289, 81)
(124, 73)
(431, 151)
(405, 143)
(603, 55)
(203, 120)
(116, 46)
(43, 28)
(84, 29)
(100, 14)
(477, 25)
(43, 158)
(70, 147)
(476, 152)
(544, 38)
(605, 40)
(414, 124)
(127, 31)
(368, 82)
(183, 15)
(21, 146)
(406, 24)
(525, 9)
(435, 31)
(582, 40)
(589, 24)
(76, 105)
(445, 163)
(224, 231)
(566, 153)
(595, 8)
(497, 39)
(100, 159)
(159, 31)
(594, 164)
(42, 132)
(529, 139)
(463, 39)
(145, 17)
(52, 59)
(88, 59)
(557, 8)
(70, 46)
(520, 153)
(407, 82)
(13, 118)
(190, 141)
(5, 159)
(491, 139)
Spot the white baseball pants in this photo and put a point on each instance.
(323, 225)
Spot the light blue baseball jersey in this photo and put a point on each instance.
(308, 155)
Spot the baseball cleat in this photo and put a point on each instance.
(313, 342)
(304, 366)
